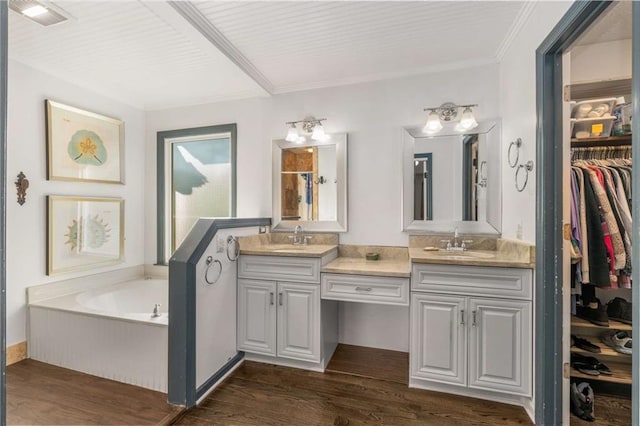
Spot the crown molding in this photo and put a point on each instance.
(200, 22)
(521, 19)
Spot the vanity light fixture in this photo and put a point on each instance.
(448, 111)
(309, 125)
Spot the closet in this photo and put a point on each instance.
(600, 233)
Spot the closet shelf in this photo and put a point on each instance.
(607, 354)
(622, 374)
(613, 325)
(608, 141)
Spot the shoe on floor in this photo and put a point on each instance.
(620, 310)
(581, 343)
(597, 315)
(582, 401)
(620, 341)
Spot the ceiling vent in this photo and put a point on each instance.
(43, 13)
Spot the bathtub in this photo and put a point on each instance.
(109, 331)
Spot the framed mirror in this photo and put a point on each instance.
(310, 184)
(452, 180)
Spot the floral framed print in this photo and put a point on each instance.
(82, 145)
(84, 233)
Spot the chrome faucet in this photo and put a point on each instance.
(456, 243)
(156, 311)
(298, 236)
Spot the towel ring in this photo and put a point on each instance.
(231, 240)
(518, 144)
(209, 262)
(528, 166)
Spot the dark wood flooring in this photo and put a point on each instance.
(262, 394)
(43, 394)
(371, 363)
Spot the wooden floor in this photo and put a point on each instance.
(42, 394)
(262, 394)
(371, 363)
(608, 411)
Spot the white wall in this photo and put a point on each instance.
(518, 112)
(26, 151)
(601, 61)
(372, 114)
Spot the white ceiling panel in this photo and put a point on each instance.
(612, 25)
(135, 52)
(299, 44)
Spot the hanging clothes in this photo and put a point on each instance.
(601, 222)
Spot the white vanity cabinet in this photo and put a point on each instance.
(471, 328)
(279, 319)
(281, 316)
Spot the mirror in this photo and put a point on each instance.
(310, 184)
(452, 180)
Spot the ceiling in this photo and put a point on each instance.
(155, 54)
(612, 25)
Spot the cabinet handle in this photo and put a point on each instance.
(363, 288)
(271, 298)
(474, 318)
(280, 299)
(462, 317)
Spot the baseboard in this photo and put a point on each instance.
(16, 353)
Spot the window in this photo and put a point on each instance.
(196, 178)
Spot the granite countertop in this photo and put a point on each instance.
(278, 244)
(501, 253)
(385, 268)
(394, 261)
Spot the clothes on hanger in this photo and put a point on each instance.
(601, 222)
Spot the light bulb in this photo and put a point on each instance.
(319, 134)
(467, 121)
(433, 123)
(34, 11)
(292, 133)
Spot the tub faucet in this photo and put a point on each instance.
(156, 311)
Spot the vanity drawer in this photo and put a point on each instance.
(473, 280)
(365, 288)
(280, 268)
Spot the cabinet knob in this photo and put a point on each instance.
(280, 299)
(363, 289)
(473, 313)
(462, 317)
(271, 301)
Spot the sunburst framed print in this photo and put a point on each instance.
(83, 233)
(82, 145)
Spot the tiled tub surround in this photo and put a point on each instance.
(107, 331)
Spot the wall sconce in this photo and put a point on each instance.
(309, 125)
(448, 112)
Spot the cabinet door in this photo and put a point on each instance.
(438, 338)
(500, 345)
(299, 321)
(257, 316)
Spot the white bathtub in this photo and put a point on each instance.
(107, 331)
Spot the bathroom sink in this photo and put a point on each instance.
(285, 248)
(470, 254)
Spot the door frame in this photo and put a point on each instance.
(549, 256)
(4, 38)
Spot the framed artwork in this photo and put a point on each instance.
(84, 233)
(82, 145)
